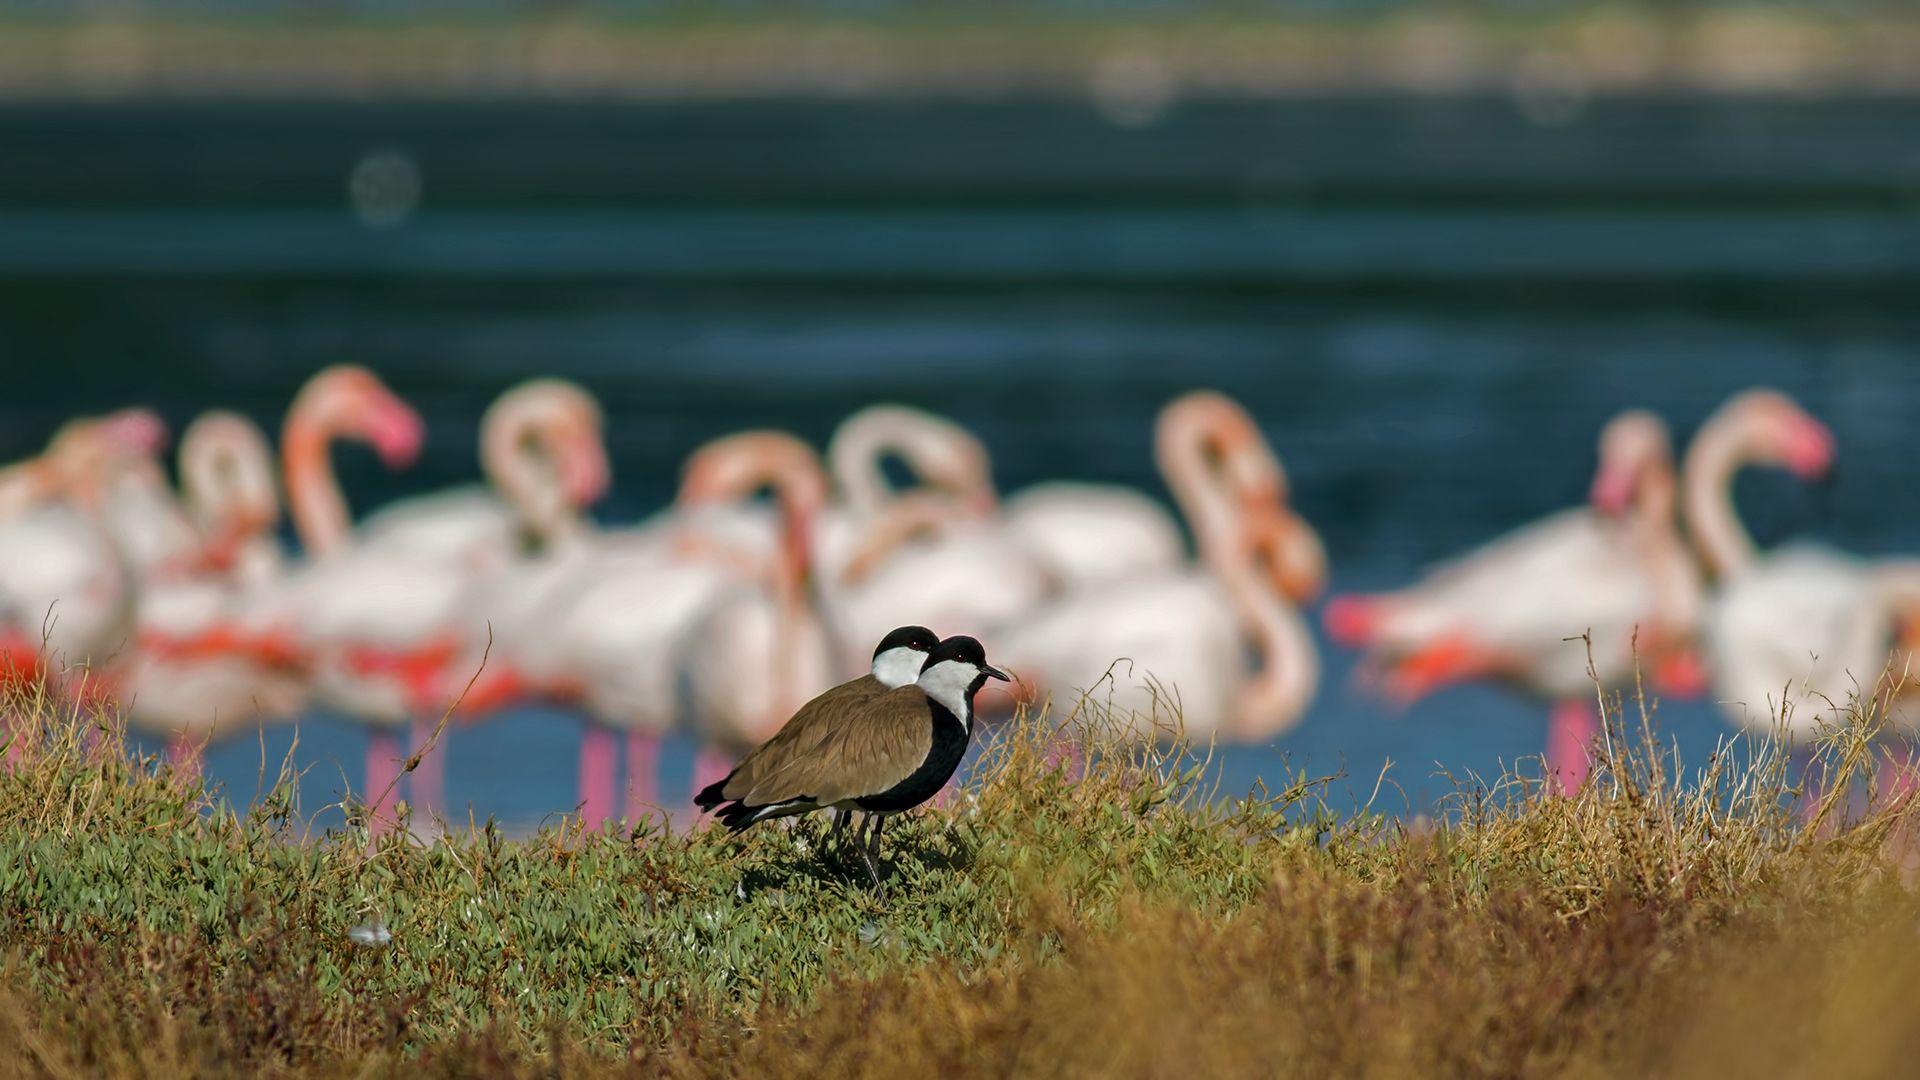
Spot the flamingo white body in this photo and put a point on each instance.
(708, 593)
(468, 523)
(612, 625)
(378, 627)
(1181, 637)
(602, 625)
(198, 670)
(1087, 534)
(1526, 599)
(972, 576)
(1799, 635)
(65, 585)
(62, 585)
(191, 693)
(1173, 644)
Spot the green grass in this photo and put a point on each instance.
(1126, 924)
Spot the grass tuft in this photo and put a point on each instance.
(1083, 907)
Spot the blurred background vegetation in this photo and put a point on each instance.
(1133, 56)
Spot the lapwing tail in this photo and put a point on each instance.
(736, 816)
(713, 794)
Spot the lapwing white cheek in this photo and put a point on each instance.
(898, 667)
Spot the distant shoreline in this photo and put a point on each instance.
(1132, 70)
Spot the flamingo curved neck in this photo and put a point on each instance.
(855, 463)
(226, 478)
(520, 460)
(941, 454)
(1289, 663)
(1193, 452)
(733, 469)
(1650, 519)
(319, 510)
(1717, 453)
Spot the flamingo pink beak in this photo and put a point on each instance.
(139, 430)
(1349, 620)
(396, 432)
(1612, 491)
(584, 475)
(1809, 449)
(1682, 673)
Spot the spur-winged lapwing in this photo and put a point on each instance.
(897, 661)
(889, 754)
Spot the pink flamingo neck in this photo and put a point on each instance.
(541, 449)
(942, 454)
(227, 484)
(1635, 484)
(340, 401)
(1231, 488)
(734, 468)
(1757, 427)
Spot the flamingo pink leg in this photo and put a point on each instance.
(1900, 774)
(1899, 781)
(183, 753)
(599, 762)
(1570, 734)
(1065, 751)
(383, 769)
(710, 766)
(643, 774)
(427, 784)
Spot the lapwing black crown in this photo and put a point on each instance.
(917, 638)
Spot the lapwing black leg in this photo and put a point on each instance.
(839, 825)
(872, 853)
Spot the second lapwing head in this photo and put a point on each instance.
(955, 670)
(900, 655)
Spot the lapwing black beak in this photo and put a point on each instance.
(996, 673)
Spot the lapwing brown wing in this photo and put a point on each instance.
(897, 661)
(887, 756)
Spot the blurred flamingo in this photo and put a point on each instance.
(395, 625)
(1184, 632)
(200, 667)
(64, 583)
(935, 554)
(544, 462)
(1090, 534)
(1796, 634)
(713, 589)
(74, 455)
(541, 454)
(1616, 568)
(371, 624)
(761, 651)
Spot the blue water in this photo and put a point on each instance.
(1430, 306)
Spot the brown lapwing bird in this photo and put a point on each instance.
(897, 661)
(889, 754)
